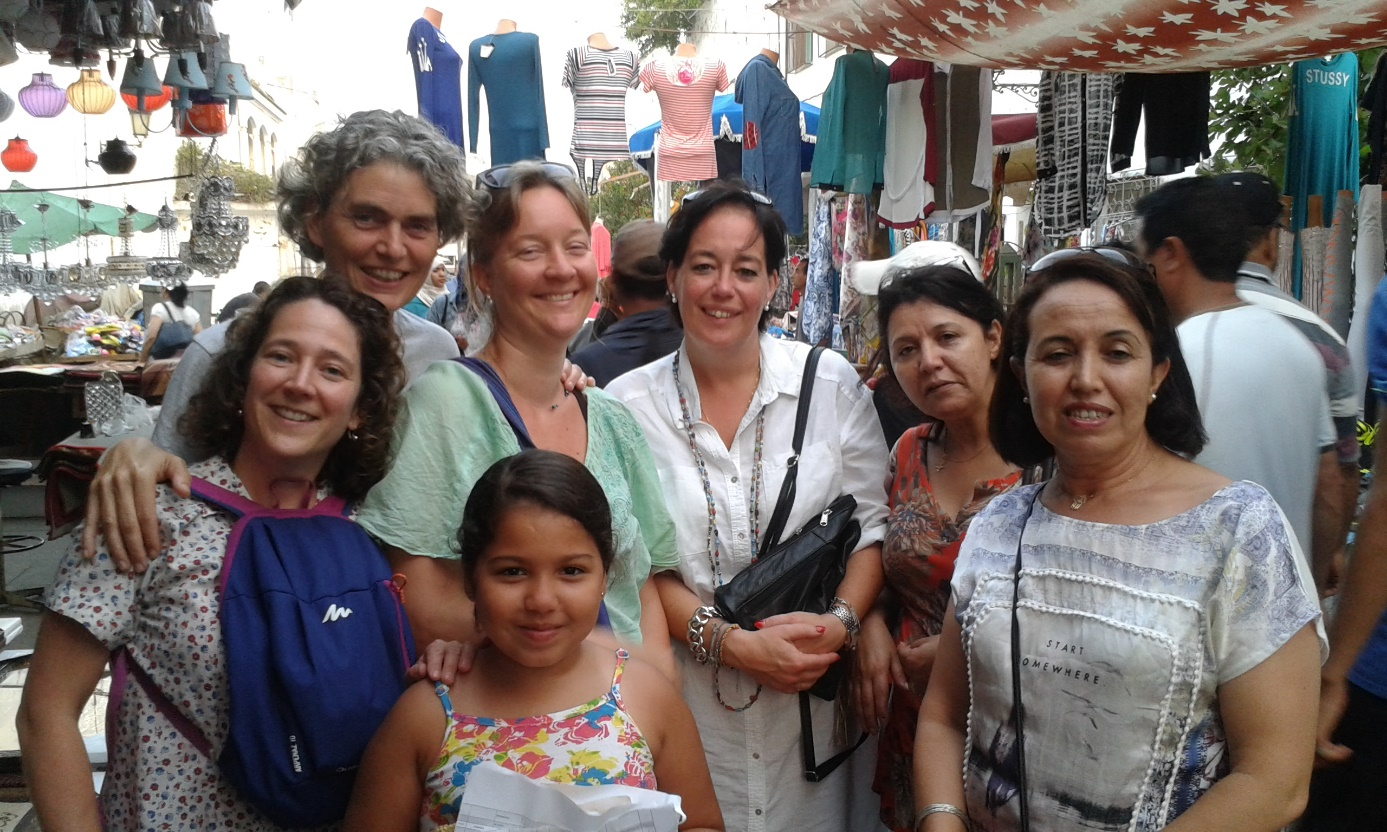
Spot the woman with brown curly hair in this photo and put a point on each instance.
(298, 406)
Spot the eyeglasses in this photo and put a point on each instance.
(499, 177)
(1120, 256)
(757, 197)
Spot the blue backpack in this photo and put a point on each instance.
(317, 646)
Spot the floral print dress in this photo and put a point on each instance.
(594, 744)
(169, 621)
(918, 557)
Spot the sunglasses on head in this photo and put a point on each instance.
(756, 197)
(1120, 256)
(499, 177)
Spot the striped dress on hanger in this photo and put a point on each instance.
(599, 79)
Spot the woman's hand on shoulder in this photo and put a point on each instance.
(442, 661)
(574, 379)
(776, 655)
(121, 502)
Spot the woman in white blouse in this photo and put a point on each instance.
(719, 416)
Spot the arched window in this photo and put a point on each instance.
(264, 156)
(250, 143)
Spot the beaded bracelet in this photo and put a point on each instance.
(719, 639)
(697, 622)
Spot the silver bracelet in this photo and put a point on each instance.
(844, 612)
(697, 622)
(946, 809)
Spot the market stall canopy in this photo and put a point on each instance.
(64, 220)
(727, 126)
(1014, 135)
(1098, 35)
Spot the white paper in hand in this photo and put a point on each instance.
(500, 800)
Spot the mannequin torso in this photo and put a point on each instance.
(505, 26)
(433, 16)
(598, 40)
(686, 50)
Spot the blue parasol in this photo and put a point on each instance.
(727, 127)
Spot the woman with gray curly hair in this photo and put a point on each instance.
(373, 200)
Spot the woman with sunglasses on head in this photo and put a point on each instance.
(1134, 644)
(533, 275)
(719, 415)
(941, 330)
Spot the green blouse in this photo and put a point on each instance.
(450, 431)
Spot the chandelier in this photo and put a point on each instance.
(217, 238)
(167, 267)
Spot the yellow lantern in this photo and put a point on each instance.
(90, 95)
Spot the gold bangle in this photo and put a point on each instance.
(945, 809)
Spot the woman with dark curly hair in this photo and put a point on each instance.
(298, 406)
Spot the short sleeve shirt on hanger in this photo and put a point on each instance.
(685, 87)
(599, 79)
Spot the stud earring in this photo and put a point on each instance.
(1153, 396)
(673, 299)
(1025, 399)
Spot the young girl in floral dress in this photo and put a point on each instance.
(542, 698)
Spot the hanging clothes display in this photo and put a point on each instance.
(1368, 268)
(602, 247)
(1374, 100)
(909, 168)
(856, 312)
(1336, 291)
(770, 138)
(963, 124)
(1313, 242)
(599, 79)
(1176, 107)
(1074, 121)
(817, 308)
(851, 145)
(685, 87)
(437, 79)
(1285, 261)
(507, 65)
(1322, 151)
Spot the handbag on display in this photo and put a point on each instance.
(801, 574)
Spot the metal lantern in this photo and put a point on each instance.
(90, 95)
(116, 157)
(18, 158)
(139, 124)
(41, 99)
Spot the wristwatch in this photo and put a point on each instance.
(844, 612)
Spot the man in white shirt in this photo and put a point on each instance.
(1259, 383)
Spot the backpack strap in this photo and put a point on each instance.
(502, 397)
(243, 509)
(123, 669)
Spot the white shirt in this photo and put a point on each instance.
(754, 755)
(1260, 388)
(166, 311)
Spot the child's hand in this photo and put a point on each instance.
(443, 660)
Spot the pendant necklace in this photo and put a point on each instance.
(944, 453)
(1077, 501)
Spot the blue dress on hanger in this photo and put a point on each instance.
(509, 70)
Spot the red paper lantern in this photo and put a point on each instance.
(18, 158)
(202, 121)
(151, 102)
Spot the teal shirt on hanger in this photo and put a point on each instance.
(850, 151)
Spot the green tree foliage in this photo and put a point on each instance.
(625, 195)
(192, 160)
(1249, 116)
(659, 24)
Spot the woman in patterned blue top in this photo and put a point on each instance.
(1165, 639)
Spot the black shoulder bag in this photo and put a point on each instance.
(801, 574)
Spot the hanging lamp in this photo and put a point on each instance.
(6, 106)
(18, 157)
(232, 84)
(90, 95)
(140, 82)
(41, 99)
(116, 157)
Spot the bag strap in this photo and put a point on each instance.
(123, 669)
(786, 500)
(814, 772)
(502, 397)
(1018, 711)
(240, 506)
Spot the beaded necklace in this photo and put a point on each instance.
(757, 477)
